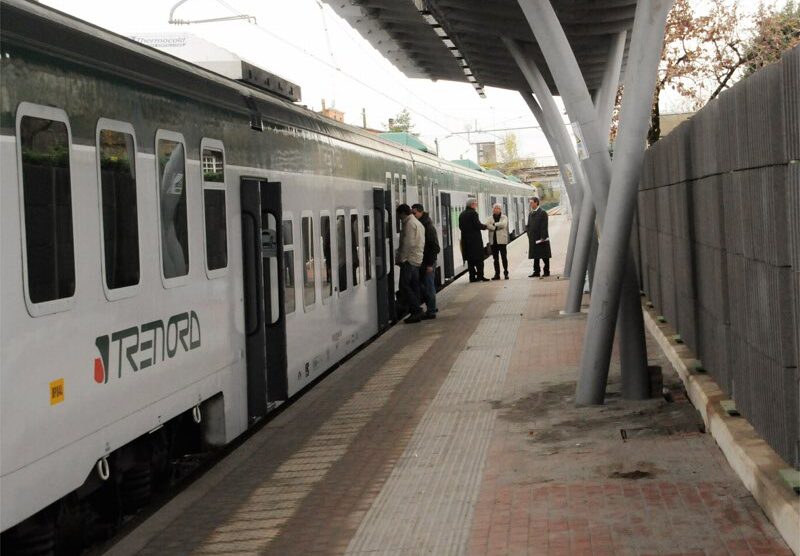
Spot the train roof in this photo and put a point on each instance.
(44, 29)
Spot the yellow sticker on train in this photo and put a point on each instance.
(57, 391)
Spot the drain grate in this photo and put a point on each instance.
(688, 429)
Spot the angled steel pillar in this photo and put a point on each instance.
(606, 95)
(564, 67)
(643, 59)
(548, 115)
(568, 168)
(604, 101)
(586, 248)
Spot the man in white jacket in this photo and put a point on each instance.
(498, 238)
(409, 258)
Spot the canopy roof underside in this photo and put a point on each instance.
(459, 40)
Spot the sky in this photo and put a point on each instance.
(305, 42)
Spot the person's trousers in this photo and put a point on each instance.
(536, 266)
(428, 289)
(500, 251)
(409, 285)
(475, 268)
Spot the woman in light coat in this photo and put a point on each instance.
(497, 224)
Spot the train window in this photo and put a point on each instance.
(387, 267)
(325, 267)
(396, 202)
(436, 199)
(341, 251)
(288, 266)
(117, 153)
(355, 256)
(47, 195)
(214, 210)
(213, 166)
(405, 190)
(367, 250)
(309, 272)
(172, 203)
(271, 270)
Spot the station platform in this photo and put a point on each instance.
(460, 436)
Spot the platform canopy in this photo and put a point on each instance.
(460, 40)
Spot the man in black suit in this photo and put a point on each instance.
(538, 239)
(472, 240)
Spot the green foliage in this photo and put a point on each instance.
(216, 177)
(400, 123)
(56, 157)
(115, 164)
(776, 31)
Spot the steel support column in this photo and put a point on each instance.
(569, 170)
(567, 162)
(604, 101)
(545, 107)
(643, 59)
(564, 67)
(587, 237)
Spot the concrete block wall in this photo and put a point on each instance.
(719, 239)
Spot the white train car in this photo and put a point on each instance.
(180, 252)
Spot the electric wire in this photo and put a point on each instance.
(334, 67)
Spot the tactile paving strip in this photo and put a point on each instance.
(427, 503)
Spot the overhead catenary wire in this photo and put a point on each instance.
(337, 68)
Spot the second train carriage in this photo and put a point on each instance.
(178, 247)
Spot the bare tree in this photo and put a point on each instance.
(705, 54)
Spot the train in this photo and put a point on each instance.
(181, 253)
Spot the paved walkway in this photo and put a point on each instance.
(459, 436)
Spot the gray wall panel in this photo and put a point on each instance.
(719, 227)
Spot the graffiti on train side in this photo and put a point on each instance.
(146, 345)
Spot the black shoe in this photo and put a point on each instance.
(429, 316)
(534, 275)
(497, 277)
(506, 275)
(482, 279)
(474, 280)
(546, 274)
(414, 318)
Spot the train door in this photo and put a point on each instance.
(384, 272)
(447, 237)
(265, 317)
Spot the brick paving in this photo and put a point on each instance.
(459, 436)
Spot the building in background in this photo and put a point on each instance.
(671, 121)
(332, 112)
(487, 153)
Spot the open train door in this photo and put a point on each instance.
(384, 268)
(447, 237)
(264, 308)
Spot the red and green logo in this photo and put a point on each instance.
(138, 347)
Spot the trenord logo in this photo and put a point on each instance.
(140, 347)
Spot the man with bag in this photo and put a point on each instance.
(409, 258)
(497, 224)
(472, 240)
(429, 254)
(538, 239)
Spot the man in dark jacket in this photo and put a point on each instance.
(538, 239)
(472, 240)
(429, 254)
